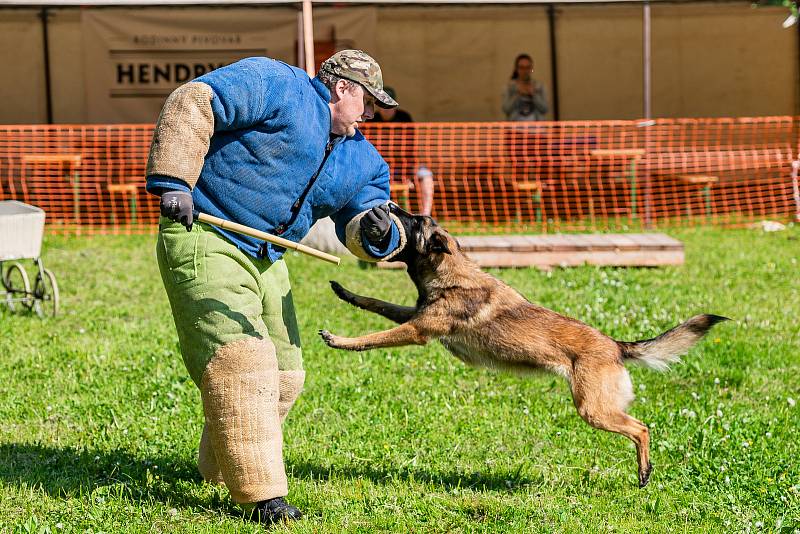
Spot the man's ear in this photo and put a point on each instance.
(339, 89)
(437, 242)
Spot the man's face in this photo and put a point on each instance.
(524, 69)
(350, 104)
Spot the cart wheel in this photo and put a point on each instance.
(18, 287)
(45, 293)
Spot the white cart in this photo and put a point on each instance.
(21, 229)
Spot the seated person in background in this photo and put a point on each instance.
(424, 174)
(524, 98)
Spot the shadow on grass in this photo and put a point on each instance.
(494, 480)
(68, 472)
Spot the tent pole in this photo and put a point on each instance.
(648, 110)
(308, 38)
(45, 15)
(797, 78)
(301, 55)
(551, 20)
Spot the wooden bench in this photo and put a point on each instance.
(534, 188)
(635, 154)
(703, 183)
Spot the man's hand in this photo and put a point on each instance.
(178, 206)
(376, 224)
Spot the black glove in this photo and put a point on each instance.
(178, 206)
(376, 225)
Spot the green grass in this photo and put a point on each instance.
(99, 421)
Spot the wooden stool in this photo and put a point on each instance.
(635, 154)
(533, 188)
(703, 183)
(129, 191)
(401, 189)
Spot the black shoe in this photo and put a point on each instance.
(274, 511)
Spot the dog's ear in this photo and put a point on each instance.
(419, 243)
(406, 218)
(437, 242)
(400, 212)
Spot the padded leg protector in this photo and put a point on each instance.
(290, 385)
(207, 460)
(240, 394)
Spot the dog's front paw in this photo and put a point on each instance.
(328, 338)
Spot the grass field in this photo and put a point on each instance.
(99, 421)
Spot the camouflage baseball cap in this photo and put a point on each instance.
(359, 67)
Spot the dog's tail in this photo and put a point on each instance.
(659, 352)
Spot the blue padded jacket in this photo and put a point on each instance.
(272, 163)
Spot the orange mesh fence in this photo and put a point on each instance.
(596, 175)
(497, 177)
(87, 178)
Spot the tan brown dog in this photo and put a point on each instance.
(484, 322)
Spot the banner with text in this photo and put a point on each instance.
(134, 58)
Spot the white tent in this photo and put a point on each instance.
(305, 24)
(594, 57)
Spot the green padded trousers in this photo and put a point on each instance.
(220, 295)
(240, 343)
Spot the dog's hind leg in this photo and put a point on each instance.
(393, 312)
(601, 395)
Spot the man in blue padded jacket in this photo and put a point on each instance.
(260, 143)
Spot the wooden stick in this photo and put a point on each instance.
(258, 234)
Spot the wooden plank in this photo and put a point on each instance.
(645, 240)
(599, 152)
(541, 243)
(666, 241)
(469, 241)
(391, 265)
(656, 241)
(649, 258)
(622, 242)
(643, 258)
(74, 159)
(502, 242)
(522, 243)
(123, 188)
(557, 243)
(528, 186)
(566, 250)
(584, 240)
(399, 187)
(576, 241)
(698, 179)
(598, 242)
(481, 243)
